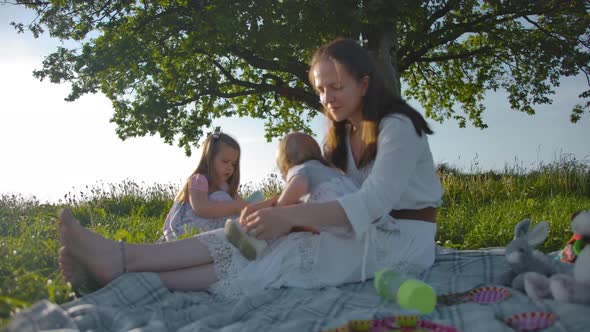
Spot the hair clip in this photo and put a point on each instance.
(216, 132)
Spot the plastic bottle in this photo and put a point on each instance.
(410, 293)
(255, 197)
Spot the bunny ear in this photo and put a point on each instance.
(538, 234)
(522, 228)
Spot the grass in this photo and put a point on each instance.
(480, 209)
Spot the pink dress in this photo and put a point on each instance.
(181, 217)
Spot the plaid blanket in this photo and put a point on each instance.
(139, 302)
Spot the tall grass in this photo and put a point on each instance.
(480, 210)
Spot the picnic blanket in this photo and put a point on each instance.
(139, 302)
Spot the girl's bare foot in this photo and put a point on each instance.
(86, 251)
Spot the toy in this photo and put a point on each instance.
(255, 197)
(411, 294)
(566, 287)
(522, 256)
(572, 249)
(392, 323)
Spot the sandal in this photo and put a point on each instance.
(249, 246)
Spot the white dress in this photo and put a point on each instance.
(333, 258)
(181, 218)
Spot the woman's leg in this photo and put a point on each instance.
(105, 259)
(191, 279)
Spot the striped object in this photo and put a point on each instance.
(393, 323)
(481, 295)
(488, 294)
(531, 321)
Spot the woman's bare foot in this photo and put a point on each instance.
(86, 251)
(75, 273)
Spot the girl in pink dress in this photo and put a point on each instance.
(209, 195)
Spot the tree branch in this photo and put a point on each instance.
(296, 68)
(442, 58)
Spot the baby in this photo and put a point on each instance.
(308, 178)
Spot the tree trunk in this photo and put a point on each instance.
(382, 44)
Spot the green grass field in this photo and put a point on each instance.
(480, 210)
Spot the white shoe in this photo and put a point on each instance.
(249, 246)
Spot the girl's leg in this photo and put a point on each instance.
(190, 279)
(105, 259)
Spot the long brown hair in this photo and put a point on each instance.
(377, 102)
(211, 148)
(295, 149)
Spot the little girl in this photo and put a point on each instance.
(209, 195)
(308, 179)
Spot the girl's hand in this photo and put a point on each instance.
(239, 206)
(266, 223)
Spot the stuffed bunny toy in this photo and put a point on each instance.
(573, 287)
(522, 256)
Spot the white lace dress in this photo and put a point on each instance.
(292, 260)
(401, 177)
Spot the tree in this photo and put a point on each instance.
(171, 67)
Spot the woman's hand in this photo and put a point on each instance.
(266, 223)
(248, 210)
(251, 208)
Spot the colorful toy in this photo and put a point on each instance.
(410, 293)
(571, 287)
(393, 323)
(572, 249)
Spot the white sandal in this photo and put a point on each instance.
(249, 246)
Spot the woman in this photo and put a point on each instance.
(380, 142)
(375, 138)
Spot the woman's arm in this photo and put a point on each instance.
(200, 204)
(295, 188)
(399, 149)
(273, 222)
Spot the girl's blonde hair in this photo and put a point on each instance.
(297, 148)
(211, 148)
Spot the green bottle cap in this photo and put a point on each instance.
(417, 295)
(412, 294)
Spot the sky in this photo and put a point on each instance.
(50, 147)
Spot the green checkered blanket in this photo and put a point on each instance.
(139, 302)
